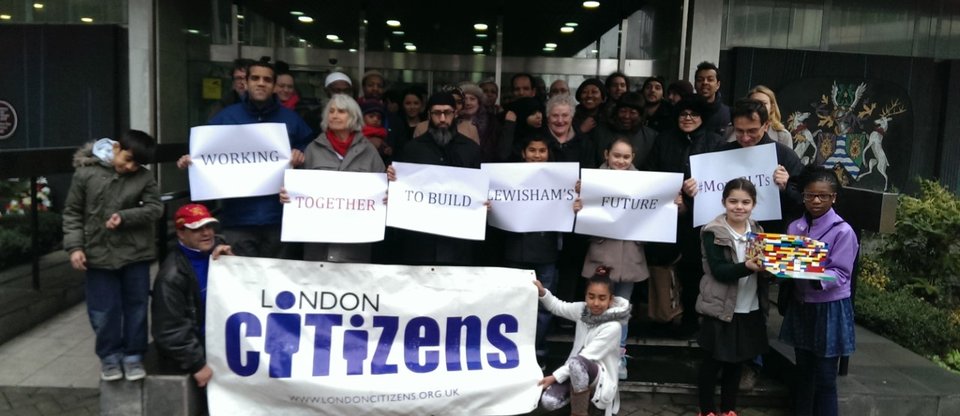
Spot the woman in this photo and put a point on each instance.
(591, 94)
(616, 85)
(671, 153)
(777, 132)
(475, 114)
(340, 147)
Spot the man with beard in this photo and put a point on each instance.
(626, 123)
(440, 145)
(657, 112)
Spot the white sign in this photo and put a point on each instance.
(629, 205)
(238, 160)
(713, 170)
(305, 338)
(439, 200)
(334, 207)
(526, 197)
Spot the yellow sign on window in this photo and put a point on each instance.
(212, 88)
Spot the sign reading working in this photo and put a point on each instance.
(238, 160)
(291, 337)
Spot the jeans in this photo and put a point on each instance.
(623, 290)
(816, 385)
(117, 303)
(547, 275)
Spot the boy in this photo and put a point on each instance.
(108, 227)
(374, 113)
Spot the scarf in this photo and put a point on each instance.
(373, 131)
(292, 102)
(338, 146)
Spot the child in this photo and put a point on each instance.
(373, 130)
(626, 258)
(108, 227)
(733, 299)
(819, 320)
(536, 250)
(594, 354)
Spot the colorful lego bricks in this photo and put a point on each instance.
(790, 256)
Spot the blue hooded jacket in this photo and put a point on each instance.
(260, 210)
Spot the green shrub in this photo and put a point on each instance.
(924, 250)
(949, 361)
(907, 320)
(15, 237)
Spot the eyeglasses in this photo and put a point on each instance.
(823, 197)
(446, 113)
(689, 115)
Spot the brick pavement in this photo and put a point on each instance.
(49, 401)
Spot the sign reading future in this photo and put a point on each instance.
(8, 120)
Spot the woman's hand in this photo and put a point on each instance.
(391, 174)
(690, 187)
(547, 381)
(588, 125)
(184, 162)
(577, 205)
(284, 196)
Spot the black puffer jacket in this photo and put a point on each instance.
(178, 316)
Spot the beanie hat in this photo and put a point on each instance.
(441, 98)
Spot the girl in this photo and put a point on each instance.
(594, 354)
(536, 250)
(733, 299)
(627, 258)
(819, 320)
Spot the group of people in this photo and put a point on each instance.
(710, 283)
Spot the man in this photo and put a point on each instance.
(237, 88)
(490, 92)
(626, 123)
(677, 90)
(252, 224)
(373, 86)
(443, 145)
(750, 125)
(707, 84)
(338, 83)
(179, 294)
(559, 87)
(522, 85)
(657, 112)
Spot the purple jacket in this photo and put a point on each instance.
(843, 246)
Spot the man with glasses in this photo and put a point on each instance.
(443, 145)
(750, 125)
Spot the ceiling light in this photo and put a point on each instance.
(550, 45)
(480, 26)
(352, 50)
(5, 17)
(481, 35)
(566, 29)
(571, 24)
(398, 32)
(296, 13)
(594, 51)
(37, 5)
(591, 4)
(365, 21)
(305, 19)
(545, 49)
(338, 41)
(477, 48)
(86, 19)
(302, 40)
(393, 23)
(332, 37)
(239, 17)
(410, 48)
(193, 31)
(407, 43)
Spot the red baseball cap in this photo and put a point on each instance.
(193, 216)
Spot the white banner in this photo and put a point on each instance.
(526, 197)
(713, 170)
(304, 338)
(629, 205)
(238, 160)
(439, 200)
(334, 207)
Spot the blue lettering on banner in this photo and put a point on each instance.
(423, 344)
